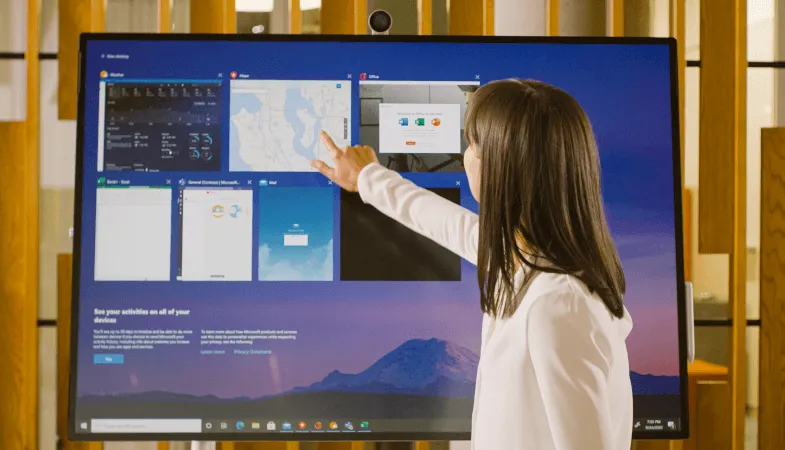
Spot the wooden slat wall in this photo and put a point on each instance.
(19, 243)
(488, 21)
(15, 376)
(64, 278)
(552, 18)
(213, 16)
(344, 17)
(360, 16)
(164, 18)
(771, 413)
(466, 17)
(722, 173)
(713, 429)
(738, 257)
(424, 17)
(719, 128)
(295, 17)
(75, 17)
(615, 18)
(29, 236)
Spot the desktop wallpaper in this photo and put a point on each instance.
(385, 349)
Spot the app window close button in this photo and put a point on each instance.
(108, 359)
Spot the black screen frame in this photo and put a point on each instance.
(74, 435)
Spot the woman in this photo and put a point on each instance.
(553, 371)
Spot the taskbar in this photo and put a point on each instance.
(267, 426)
(667, 425)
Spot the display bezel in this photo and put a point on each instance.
(73, 434)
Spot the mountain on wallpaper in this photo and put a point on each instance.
(654, 384)
(418, 367)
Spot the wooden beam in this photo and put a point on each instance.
(771, 412)
(466, 17)
(213, 16)
(552, 18)
(713, 427)
(340, 17)
(424, 17)
(19, 247)
(295, 17)
(30, 189)
(164, 18)
(360, 16)
(74, 17)
(722, 214)
(488, 20)
(615, 22)
(719, 128)
(15, 376)
(737, 286)
(64, 278)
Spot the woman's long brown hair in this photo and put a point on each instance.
(540, 199)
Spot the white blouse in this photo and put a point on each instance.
(554, 375)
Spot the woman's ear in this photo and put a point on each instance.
(471, 163)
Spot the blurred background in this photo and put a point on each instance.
(740, 46)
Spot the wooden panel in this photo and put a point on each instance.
(64, 278)
(552, 18)
(26, 191)
(424, 17)
(295, 17)
(163, 446)
(213, 16)
(771, 412)
(615, 22)
(344, 17)
(338, 17)
(721, 52)
(489, 28)
(360, 16)
(737, 281)
(722, 173)
(466, 17)
(164, 20)
(712, 428)
(15, 319)
(75, 17)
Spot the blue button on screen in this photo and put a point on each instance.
(108, 359)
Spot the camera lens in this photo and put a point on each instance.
(380, 21)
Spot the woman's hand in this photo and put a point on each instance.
(348, 161)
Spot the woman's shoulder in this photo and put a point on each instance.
(565, 299)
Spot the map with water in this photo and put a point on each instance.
(275, 124)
